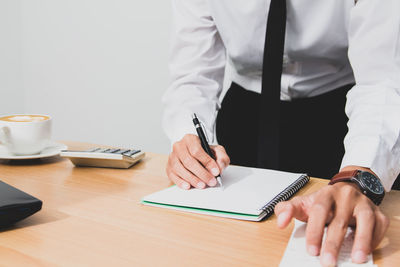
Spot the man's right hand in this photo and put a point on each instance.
(189, 165)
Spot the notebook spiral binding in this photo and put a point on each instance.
(286, 193)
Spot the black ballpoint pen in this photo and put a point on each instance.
(203, 141)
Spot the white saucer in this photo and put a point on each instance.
(51, 151)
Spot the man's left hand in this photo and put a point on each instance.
(338, 206)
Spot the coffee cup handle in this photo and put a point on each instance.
(4, 135)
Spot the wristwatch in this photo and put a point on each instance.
(369, 184)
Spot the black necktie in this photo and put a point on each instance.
(268, 139)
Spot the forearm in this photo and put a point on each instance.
(197, 64)
(373, 105)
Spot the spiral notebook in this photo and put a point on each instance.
(248, 194)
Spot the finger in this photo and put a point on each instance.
(335, 234)
(286, 210)
(192, 165)
(186, 175)
(221, 156)
(365, 219)
(317, 219)
(381, 225)
(198, 153)
(179, 181)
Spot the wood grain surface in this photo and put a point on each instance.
(93, 217)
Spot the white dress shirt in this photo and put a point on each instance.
(329, 44)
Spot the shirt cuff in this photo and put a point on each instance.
(373, 154)
(181, 130)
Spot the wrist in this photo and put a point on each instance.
(347, 184)
(365, 179)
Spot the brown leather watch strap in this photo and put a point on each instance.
(343, 176)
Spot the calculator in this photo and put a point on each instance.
(104, 157)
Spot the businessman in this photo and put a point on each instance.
(315, 88)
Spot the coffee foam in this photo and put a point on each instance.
(24, 118)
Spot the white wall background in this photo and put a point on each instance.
(99, 67)
(11, 91)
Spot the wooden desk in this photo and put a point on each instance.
(93, 217)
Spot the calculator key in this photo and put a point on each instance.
(96, 149)
(114, 151)
(128, 151)
(124, 151)
(108, 150)
(130, 154)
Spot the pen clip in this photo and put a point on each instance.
(204, 130)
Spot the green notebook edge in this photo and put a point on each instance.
(199, 209)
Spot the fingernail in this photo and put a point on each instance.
(215, 171)
(282, 218)
(201, 185)
(212, 182)
(328, 260)
(313, 250)
(359, 257)
(185, 186)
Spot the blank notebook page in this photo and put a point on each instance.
(245, 190)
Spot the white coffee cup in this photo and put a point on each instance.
(25, 134)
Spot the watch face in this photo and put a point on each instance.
(372, 183)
